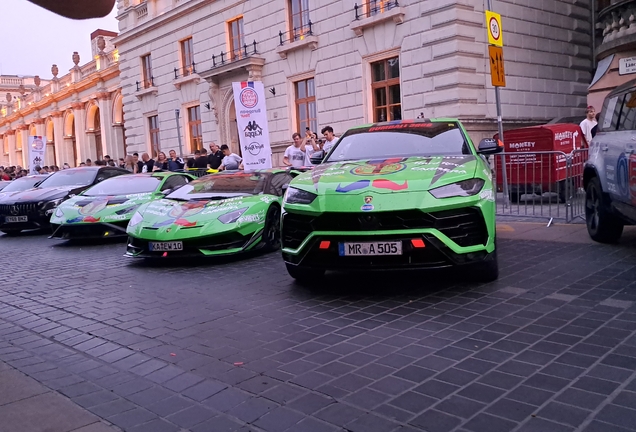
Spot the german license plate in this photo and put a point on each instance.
(370, 248)
(165, 246)
(13, 219)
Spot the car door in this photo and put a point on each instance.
(622, 149)
(608, 143)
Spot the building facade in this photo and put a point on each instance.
(343, 63)
(80, 113)
(615, 47)
(17, 86)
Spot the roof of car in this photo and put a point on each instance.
(623, 87)
(93, 168)
(395, 122)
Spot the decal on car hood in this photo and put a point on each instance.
(388, 175)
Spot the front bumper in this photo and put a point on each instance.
(89, 231)
(229, 243)
(451, 238)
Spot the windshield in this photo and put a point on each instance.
(125, 185)
(22, 184)
(221, 186)
(401, 140)
(72, 177)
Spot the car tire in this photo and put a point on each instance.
(602, 226)
(12, 233)
(303, 274)
(488, 270)
(271, 230)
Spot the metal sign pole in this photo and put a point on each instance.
(504, 172)
(176, 115)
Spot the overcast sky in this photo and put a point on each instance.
(33, 39)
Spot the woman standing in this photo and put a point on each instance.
(130, 165)
(161, 163)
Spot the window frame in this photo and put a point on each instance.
(187, 67)
(195, 142)
(386, 84)
(146, 71)
(236, 52)
(154, 135)
(311, 122)
(298, 33)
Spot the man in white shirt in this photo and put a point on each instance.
(295, 154)
(330, 138)
(231, 161)
(588, 124)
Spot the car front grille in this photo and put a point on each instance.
(18, 209)
(465, 226)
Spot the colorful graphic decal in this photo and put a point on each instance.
(180, 211)
(391, 185)
(85, 219)
(622, 175)
(379, 167)
(449, 164)
(94, 206)
(360, 184)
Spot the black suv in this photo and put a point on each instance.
(610, 171)
(32, 208)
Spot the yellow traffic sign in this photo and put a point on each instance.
(493, 24)
(497, 72)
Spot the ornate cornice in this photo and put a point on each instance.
(22, 126)
(103, 95)
(77, 106)
(39, 121)
(57, 113)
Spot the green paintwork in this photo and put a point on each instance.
(168, 220)
(89, 210)
(396, 184)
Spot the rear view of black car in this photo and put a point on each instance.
(32, 208)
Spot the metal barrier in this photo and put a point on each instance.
(546, 184)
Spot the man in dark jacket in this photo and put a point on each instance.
(175, 163)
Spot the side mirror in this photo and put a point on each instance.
(489, 146)
(317, 157)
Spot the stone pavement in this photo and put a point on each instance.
(236, 345)
(28, 406)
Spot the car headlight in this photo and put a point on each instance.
(464, 188)
(59, 213)
(127, 210)
(299, 196)
(50, 204)
(135, 220)
(233, 216)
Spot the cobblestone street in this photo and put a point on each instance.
(236, 345)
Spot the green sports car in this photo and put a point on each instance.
(401, 194)
(103, 211)
(219, 214)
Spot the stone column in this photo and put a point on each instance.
(23, 130)
(81, 139)
(119, 142)
(109, 141)
(4, 158)
(12, 155)
(61, 156)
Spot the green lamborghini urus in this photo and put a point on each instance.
(401, 194)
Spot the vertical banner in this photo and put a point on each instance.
(251, 119)
(37, 148)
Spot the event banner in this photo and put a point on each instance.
(37, 148)
(251, 119)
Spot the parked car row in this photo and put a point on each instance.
(394, 195)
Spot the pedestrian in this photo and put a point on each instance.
(295, 154)
(107, 159)
(111, 163)
(89, 162)
(215, 158)
(66, 165)
(161, 163)
(588, 123)
(82, 164)
(147, 164)
(130, 165)
(139, 163)
(231, 161)
(122, 162)
(330, 138)
(175, 163)
(201, 162)
(312, 145)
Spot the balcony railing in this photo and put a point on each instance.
(373, 7)
(297, 33)
(235, 55)
(185, 70)
(616, 20)
(145, 83)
